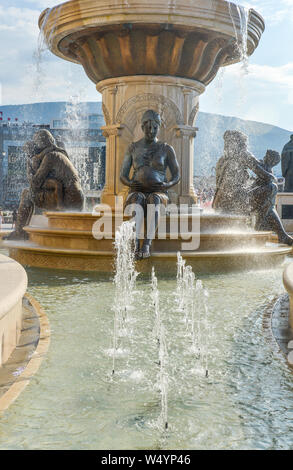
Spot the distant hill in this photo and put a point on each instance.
(208, 142)
(209, 139)
(44, 113)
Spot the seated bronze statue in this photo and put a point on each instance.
(149, 159)
(54, 182)
(238, 192)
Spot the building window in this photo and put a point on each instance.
(57, 123)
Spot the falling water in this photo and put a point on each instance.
(155, 304)
(74, 123)
(191, 298)
(43, 46)
(124, 280)
(203, 324)
(160, 335)
(163, 375)
(241, 33)
(180, 285)
(185, 290)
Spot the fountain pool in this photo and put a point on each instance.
(74, 402)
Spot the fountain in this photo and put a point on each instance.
(159, 56)
(195, 370)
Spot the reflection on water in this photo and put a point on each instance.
(74, 403)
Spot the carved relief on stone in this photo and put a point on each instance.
(193, 115)
(167, 108)
(106, 114)
(112, 130)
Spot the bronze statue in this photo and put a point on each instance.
(238, 192)
(263, 199)
(54, 182)
(149, 159)
(287, 165)
(232, 175)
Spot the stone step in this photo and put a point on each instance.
(201, 261)
(206, 221)
(83, 239)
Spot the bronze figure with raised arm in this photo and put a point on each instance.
(149, 159)
(238, 191)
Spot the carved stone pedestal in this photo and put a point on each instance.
(125, 99)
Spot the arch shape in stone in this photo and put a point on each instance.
(133, 109)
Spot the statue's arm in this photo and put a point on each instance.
(126, 167)
(29, 170)
(42, 172)
(255, 166)
(173, 167)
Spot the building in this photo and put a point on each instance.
(80, 134)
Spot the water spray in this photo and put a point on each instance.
(124, 280)
(159, 332)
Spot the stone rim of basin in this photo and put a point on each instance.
(208, 29)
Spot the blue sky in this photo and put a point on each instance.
(264, 94)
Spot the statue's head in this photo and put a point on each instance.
(235, 142)
(29, 148)
(291, 137)
(43, 139)
(272, 158)
(150, 124)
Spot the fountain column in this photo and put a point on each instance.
(125, 99)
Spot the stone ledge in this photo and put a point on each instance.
(13, 285)
(276, 327)
(288, 284)
(26, 358)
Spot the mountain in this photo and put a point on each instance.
(209, 139)
(208, 142)
(44, 113)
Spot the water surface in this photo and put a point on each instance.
(73, 402)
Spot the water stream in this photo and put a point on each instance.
(74, 402)
(241, 32)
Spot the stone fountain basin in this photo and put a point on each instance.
(180, 38)
(66, 241)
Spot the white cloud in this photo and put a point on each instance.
(274, 12)
(25, 75)
(279, 79)
(280, 76)
(15, 19)
(265, 94)
(42, 3)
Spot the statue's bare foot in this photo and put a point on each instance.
(17, 235)
(137, 253)
(145, 252)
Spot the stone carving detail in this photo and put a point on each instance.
(106, 114)
(193, 114)
(151, 99)
(112, 130)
